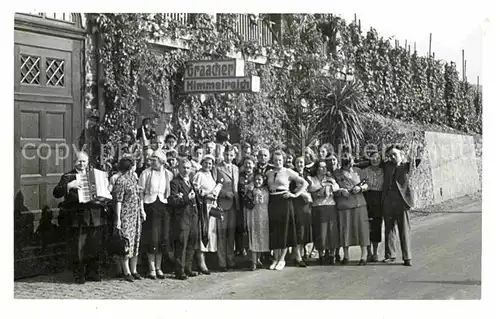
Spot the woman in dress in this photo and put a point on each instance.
(205, 185)
(257, 220)
(324, 213)
(374, 175)
(128, 215)
(353, 215)
(302, 208)
(282, 227)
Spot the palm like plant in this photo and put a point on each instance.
(339, 111)
(305, 130)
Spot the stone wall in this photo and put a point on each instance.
(453, 165)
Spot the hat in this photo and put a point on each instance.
(221, 136)
(149, 153)
(208, 156)
(160, 155)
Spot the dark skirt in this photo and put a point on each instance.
(303, 221)
(282, 227)
(354, 227)
(325, 227)
(375, 213)
(374, 203)
(153, 229)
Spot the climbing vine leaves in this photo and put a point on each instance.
(397, 83)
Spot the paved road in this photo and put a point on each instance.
(447, 265)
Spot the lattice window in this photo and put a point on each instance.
(30, 69)
(54, 72)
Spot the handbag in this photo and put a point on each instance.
(216, 212)
(118, 244)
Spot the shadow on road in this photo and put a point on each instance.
(464, 282)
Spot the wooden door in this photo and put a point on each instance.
(48, 119)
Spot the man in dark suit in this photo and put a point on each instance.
(228, 200)
(397, 200)
(85, 224)
(185, 220)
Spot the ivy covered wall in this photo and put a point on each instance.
(397, 83)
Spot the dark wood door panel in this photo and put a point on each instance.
(48, 117)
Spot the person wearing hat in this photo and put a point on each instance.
(205, 185)
(228, 200)
(154, 183)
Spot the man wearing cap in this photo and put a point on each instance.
(85, 224)
(228, 200)
(154, 183)
(185, 220)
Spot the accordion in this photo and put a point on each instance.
(95, 187)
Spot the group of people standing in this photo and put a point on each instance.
(230, 201)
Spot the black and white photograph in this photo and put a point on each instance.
(249, 156)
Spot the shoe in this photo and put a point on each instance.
(129, 278)
(273, 265)
(280, 265)
(301, 264)
(338, 259)
(80, 280)
(373, 259)
(253, 267)
(362, 262)
(181, 277)
(151, 275)
(160, 274)
(136, 276)
(345, 261)
(259, 264)
(205, 272)
(407, 262)
(231, 266)
(390, 260)
(223, 269)
(321, 260)
(191, 273)
(330, 260)
(95, 277)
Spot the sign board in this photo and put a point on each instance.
(214, 69)
(240, 84)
